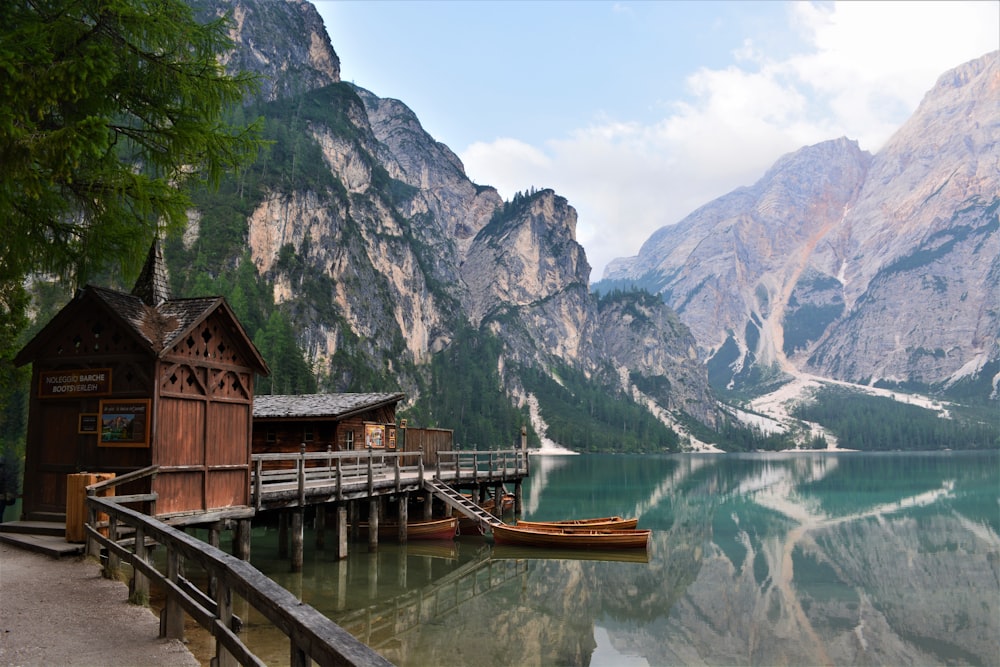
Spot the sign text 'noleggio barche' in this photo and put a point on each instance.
(72, 383)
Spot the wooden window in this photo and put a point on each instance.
(307, 434)
(270, 436)
(349, 439)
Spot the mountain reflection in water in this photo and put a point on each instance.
(801, 559)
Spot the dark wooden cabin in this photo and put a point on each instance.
(338, 423)
(124, 381)
(325, 422)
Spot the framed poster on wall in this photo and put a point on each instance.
(373, 436)
(125, 422)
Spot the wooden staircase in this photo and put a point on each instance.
(456, 500)
(43, 533)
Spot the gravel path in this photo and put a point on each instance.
(63, 612)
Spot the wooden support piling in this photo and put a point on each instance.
(352, 517)
(297, 539)
(341, 532)
(373, 524)
(241, 539)
(403, 503)
(428, 506)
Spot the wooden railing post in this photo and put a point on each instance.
(524, 450)
(140, 582)
(114, 564)
(397, 471)
(224, 612)
(302, 476)
(172, 623)
(340, 479)
(420, 467)
(93, 546)
(258, 482)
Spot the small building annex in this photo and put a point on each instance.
(324, 422)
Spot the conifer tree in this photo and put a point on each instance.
(107, 109)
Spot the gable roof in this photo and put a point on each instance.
(319, 406)
(157, 328)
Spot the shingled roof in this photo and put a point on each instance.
(319, 406)
(162, 325)
(153, 284)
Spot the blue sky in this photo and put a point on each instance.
(640, 112)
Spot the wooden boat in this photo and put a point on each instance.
(435, 529)
(579, 538)
(603, 523)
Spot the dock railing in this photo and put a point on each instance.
(491, 465)
(334, 474)
(312, 636)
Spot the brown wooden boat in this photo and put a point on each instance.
(435, 529)
(602, 523)
(579, 538)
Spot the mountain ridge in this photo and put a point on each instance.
(877, 230)
(370, 245)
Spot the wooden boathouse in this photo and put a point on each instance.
(122, 382)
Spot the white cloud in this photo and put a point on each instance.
(869, 65)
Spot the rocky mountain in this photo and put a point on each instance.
(879, 269)
(391, 264)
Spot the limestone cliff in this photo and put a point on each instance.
(379, 247)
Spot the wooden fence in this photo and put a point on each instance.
(312, 636)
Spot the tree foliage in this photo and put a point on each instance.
(466, 394)
(874, 423)
(108, 108)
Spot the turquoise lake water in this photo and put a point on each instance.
(764, 559)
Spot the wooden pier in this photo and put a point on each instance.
(293, 482)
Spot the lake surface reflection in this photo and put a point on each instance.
(793, 559)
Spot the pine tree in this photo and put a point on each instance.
(107, 108)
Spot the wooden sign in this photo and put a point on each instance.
(74, 383)
(90, 422)
(125, 423)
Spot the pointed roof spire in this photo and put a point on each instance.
(153, 285)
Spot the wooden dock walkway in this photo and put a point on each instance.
(312, 478)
